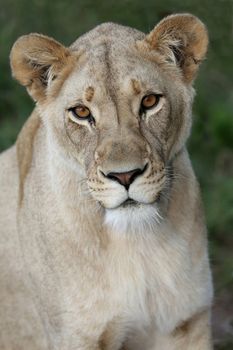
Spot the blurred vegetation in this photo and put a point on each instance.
(211, 143)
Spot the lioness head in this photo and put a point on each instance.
(117, 103)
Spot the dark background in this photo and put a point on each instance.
(211, 143)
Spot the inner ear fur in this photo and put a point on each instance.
(35, 61)
(181, 39)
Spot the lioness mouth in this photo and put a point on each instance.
(129, 202)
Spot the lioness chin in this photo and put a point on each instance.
(103, 241)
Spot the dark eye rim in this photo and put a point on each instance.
(143, 109)
(89, 118)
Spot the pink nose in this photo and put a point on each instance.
(125, 179)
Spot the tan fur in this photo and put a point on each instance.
(82, 267)
(89, 93)
(25, 150)
(187, 35)
(36, 58)
(136, 86)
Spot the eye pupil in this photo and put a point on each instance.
(82, 112)
(149, 101)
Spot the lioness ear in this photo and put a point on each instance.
(35, 61)
(181, 39)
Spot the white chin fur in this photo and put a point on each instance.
(137, 219)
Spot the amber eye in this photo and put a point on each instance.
(150, 101)
(81, 112)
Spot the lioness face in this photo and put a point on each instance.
(122, 109)
(121, 116)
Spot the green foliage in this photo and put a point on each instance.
(228, 346)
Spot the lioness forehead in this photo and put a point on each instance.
(111, 66)
(110, 58)
(108, 32)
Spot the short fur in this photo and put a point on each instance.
(82, 267)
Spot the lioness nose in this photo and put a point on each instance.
(126, 178)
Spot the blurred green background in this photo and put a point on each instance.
(211, 143)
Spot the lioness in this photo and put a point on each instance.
(103, 238)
